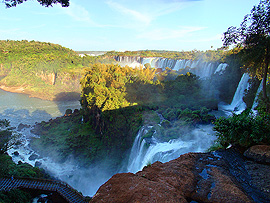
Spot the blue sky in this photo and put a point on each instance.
(104, 25)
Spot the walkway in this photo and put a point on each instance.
(66, 191)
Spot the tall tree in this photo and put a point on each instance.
(253, 36)
(13, 3)
(7, 137)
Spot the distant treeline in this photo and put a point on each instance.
(50, 71)
(209, 55)
(42, 69)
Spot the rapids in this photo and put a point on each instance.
(19, 108)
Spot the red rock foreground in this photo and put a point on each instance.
(223, 176)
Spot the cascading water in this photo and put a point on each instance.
(143, 151)
(147, 152)
(255, 103)
(132, 61)
(19, 108)
(221, 68)
(237, 105)
(199, 67)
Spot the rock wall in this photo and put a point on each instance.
(223, 176)
(47, 77)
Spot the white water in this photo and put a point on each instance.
(199, 67)
(19, 108)
(255, 103)
(198, 140)
(237, 105)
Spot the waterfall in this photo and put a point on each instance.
(255, 103)
(200, 68)
(238, 105)
(132, 61)
(221, 68)
(147, 152)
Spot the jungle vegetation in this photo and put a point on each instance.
(44, 70)
(8, 168)
(252, 39)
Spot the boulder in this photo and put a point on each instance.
(259, 153)
(16, 153)
(38, 164)
(22, 126)
(33, 157)
(193, 177)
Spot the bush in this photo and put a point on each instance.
(14, 196)
(243, 130)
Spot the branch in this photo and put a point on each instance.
(47, 3)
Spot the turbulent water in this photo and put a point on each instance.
(200, 68)
(143, 153)
(237, 105)
(19, 108)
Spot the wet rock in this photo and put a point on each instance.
(194, 177)
(259, 153)
(33, 157)
(68, 112)
(16, 153)
(38, 164)
(22, 126)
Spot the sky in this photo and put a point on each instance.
(121, 25)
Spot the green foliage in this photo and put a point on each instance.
(15, 196)
(250, 94)
(89, 141)
(243, 130)
(67, 136)
(9, 168)
(254, 39)
(209, 55)
(7, 136)
(109, 86)
(200, 116)
(42, 69)
(14, 3)
(186, 92)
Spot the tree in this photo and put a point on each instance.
(7, 137)
(253, 36)
(47, 3)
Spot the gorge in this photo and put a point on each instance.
(144, 151)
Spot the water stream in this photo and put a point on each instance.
(143, 153)
(19, 108)
(237, 105)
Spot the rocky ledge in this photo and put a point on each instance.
(221, 176)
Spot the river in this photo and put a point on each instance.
(22, 109)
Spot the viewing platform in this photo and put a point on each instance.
(66, 191)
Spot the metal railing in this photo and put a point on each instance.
(65, 190)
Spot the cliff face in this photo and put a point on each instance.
(55, 86)
(48, 78)
(223, 176)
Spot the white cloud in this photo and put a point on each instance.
(163, 34)
(144, 12)
(136, 15)
(78, 13)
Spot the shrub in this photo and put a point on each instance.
(244, 129)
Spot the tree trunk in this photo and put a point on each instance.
(265, 80)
